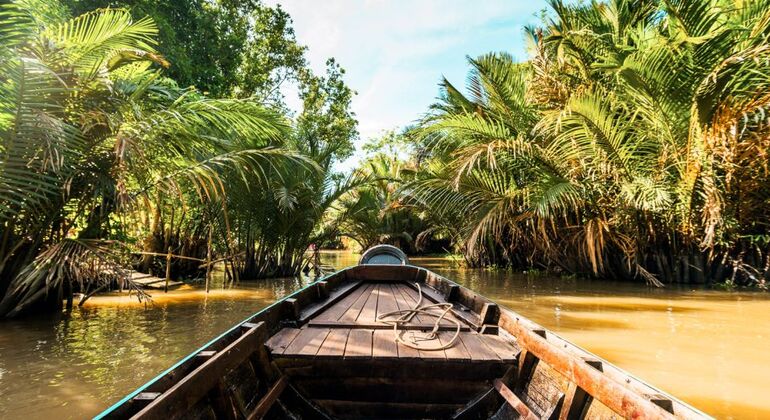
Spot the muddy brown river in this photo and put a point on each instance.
(709, 348)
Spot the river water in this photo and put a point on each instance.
(709, 348)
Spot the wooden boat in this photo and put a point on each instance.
(356, 344)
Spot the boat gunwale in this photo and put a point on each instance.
(572, 347)
(214, 340)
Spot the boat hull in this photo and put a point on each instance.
(325, 352)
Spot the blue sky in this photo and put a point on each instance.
(395, 51)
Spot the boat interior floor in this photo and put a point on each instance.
(350, 365)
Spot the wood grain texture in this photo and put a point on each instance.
(334, 344)
(359, 344)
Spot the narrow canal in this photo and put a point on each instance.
(706, 347)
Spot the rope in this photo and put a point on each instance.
(404, 316)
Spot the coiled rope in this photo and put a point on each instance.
(404, 316)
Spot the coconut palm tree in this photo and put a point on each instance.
(626, 147)
(276, 225)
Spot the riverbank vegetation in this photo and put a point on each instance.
(105, 157)
(632, 144)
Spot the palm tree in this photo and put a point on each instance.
(626, 147)
(274, 226)
(90, 131)
(374, 214)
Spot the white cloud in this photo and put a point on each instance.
(395, 51)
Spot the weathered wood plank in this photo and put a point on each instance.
(404, 369)
(336, 310)
(147, 396)
(264, 405)
(384, 389)
(419, 337)
(507, 351)
(261, 358)
(335, 296)
(187, 392)
(381, 325)
(222, 403)
(458, 350)
(281, 340)
(526, 367)
(359, 344)
(368, 313)
(358, 409)
(386, 301)
(476, 347)
(307, 342)
(610, 371)
(432, 296)
(334, 345)
(490, 313)
(574, 403)
(514, 401)
(323, 289)
(614, 395)
(292, 308)
(406, 352)
(384, 345)
(408, 301)
(401, 302)
(351, 314)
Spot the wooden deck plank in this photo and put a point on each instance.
(505, 350)
(384, 344)
(359, 344)
(281, 340)
(401, 300)
(428, 300)
(428, 354)
(386, 300)
(336, 297)
(408, 302)
(307, 342)
(405, 352)
(368, 313)
(458, 350)
(334, 345)
(335, 312)
(351, 314)
(381, 325)
(476, 347)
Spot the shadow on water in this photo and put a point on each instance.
(707, 347)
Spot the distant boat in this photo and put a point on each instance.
(385, 339)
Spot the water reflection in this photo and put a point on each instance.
(74, 366)
(706, 347)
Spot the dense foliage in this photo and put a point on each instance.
(275, 226)
(103, 155)
(376, 212)
(226, 48)
(633, 144)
